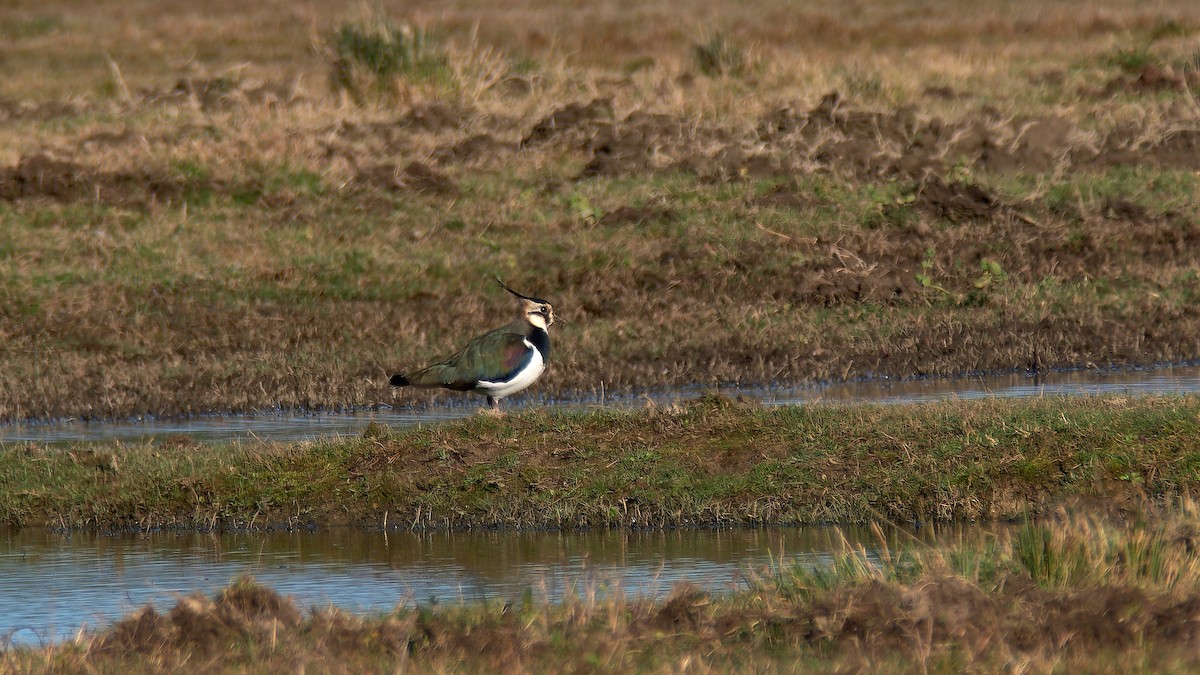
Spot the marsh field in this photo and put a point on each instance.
(227, 207)
(208, 206)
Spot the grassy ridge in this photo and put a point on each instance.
(712, 461)
(1081, 593)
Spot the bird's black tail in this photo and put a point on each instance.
(399, 380)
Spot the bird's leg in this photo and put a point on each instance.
(493, 408)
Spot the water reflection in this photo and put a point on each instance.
(51, 584)
(1127, 382)
(245, 428)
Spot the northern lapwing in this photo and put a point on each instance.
(498, 363)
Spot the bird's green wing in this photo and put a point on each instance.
(494, 356)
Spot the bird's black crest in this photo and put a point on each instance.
(519, 295)
(399, 380)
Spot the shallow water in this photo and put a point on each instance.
(1184, 379)
(52, 584)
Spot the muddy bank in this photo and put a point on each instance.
(937, 621)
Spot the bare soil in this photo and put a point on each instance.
(43, 177)
(832, 137)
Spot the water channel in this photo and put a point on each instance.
(52, 584)
(288, 427)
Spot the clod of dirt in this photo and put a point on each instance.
(1150, 79)
(571, 118)
(1031, 145)
(638, 215)
(787, 196)
(1123, 209)
(515, 86)
(967, 139)
(1176, 149)
(1042, 143)
(209, 91)
(830, 108)
(832, 111)
(213, 93)
(682, 611)
(473, 148)
(780, 121)
(1180, 149)
(414, 177)
(837, 137)
(178, 442)
(957, 202)
(631, 145)
(435, 117)
(833, 136)
(887, 616)
(42, 176)
(245, 611)
(652, 142)
(941, 92)
(856, 156)
(734, 162)
(111, 139)
(14, 109)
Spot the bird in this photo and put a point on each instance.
(498, 363)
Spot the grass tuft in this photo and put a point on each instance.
(1147, 546)
(15, 28)
(719, 56)
(1134, 59)
(1166, 29)
(373, 53)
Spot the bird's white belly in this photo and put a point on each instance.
(527, 376)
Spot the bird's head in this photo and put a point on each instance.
(535, 310)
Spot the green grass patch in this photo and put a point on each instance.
(24, 28)
(370, 54)
(718, 55)
(711, 462)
